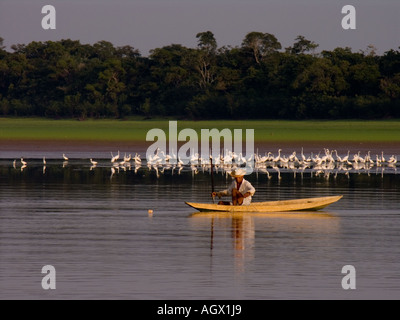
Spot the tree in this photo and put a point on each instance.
(207, 42)
(389, 63)
(322, 77)
(391, 86)
(68, 79)
(203, 60)
(261, 44)
(1, 44)
(301, 46)
(175, 79)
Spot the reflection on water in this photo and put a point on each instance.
(242, 228)
(93, 224)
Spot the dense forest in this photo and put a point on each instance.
(259, 79)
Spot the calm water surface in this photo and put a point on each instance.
(93, 226)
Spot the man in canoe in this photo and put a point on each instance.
(241, 190)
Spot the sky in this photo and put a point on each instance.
(150, 24)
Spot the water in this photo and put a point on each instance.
(93, 226)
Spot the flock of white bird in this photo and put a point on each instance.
(319, 163)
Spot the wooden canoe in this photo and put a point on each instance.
(309, 204)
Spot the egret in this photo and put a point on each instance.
(173, 155)
(393, 160)
(44, 160)
(317, 159)
(137, 159)
(338, 158)
(194, 158)
(346, 158)
(228, 158)
(369, 159)
(303, 157)
(165, 156)
(127, 158)
(261, 159)
(24, 163)
(378, 161)
(278, 157)
(293, 157)
(94, 163)
(65, 157)
(114, 158)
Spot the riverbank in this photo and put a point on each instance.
(136, 130)
(44, 136)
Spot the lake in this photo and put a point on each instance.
(93, 225)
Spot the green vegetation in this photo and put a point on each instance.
(136, 130)
(258, 80)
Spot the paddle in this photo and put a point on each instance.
(212, 177)
(212, 190)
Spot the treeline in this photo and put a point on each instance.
(259, 79)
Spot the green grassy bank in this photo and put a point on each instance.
(136, 129)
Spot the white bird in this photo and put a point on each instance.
(114, 158)
(44, 160)
(278, 157)
(15, 164)
(317, 159)
(127, 159)
(393, 160)
(93, 162)
(293, 157)
(165, 156)
(368, 158)
(262, 159)
(228, 158)
(137, 159)
(378, 161)
(24, 163)
(338, 158)
(303, 157)
(154, 159)
(194, 158)
(65, 157)
(346, 158)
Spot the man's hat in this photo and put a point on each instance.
(238, 173)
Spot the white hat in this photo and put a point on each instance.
(238, 173)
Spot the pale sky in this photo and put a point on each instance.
(149, 24)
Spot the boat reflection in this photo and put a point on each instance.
(244, 228)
